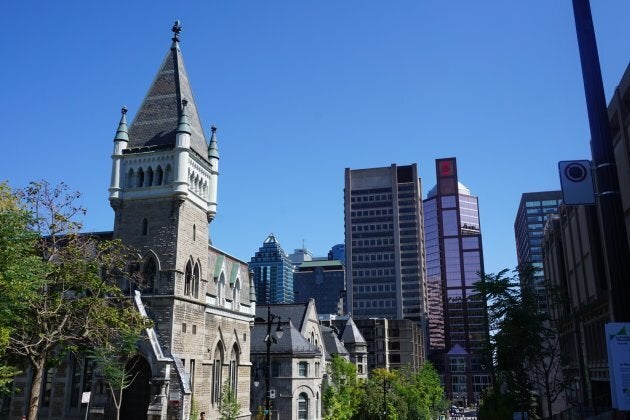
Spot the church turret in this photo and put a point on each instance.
(163, 191)
(182, 153)
(120, 143)
(213, 157)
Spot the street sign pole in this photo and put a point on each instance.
(609, 206)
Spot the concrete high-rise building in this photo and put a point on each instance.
(299, 256)
(533, 211)
(389, 343)
(273, 273)
(385, 243)
(458, 327)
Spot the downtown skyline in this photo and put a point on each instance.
(312, 89)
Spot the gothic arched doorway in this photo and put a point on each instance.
(136, 398)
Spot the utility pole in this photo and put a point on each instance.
(609, 206)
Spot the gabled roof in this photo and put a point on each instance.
(332, 344)
(351, 333)
(296, 312)
(155, 123)
(457, 350)
(292, 341)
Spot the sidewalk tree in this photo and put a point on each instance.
(77, 303)
(113, 358)
(341, 394)
(21, 274)
(525, 344)
(230, 407)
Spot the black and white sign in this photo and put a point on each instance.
(576, 182)
(85, 397)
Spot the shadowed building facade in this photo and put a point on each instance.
(533, 211)
(324, 281)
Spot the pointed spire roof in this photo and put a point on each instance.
(155, 124)
(332, 343)
(183, 126)
(457, 350)
(351, 333)
(213, 149)
(121, 133)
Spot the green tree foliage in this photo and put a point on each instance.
(73, 301)
(525, 344)
(341, 395)
(230, 407)
(112, 358)
(403, 395)
(497, 406)
(21, 275)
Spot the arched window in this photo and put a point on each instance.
(194, 232)
(217, 367)
(196, 278)
(302, 407)
(188, 279)
(145, 227)
(303, 369)
(168, 175)
(221, 290)
(236, 295)
(150, 273)
(158, 175)
(130, 178)
(149, 177)
(140, 178)
(234, 368)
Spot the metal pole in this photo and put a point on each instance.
(268, 376)
(609, 206)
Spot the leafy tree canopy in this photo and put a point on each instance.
(62, 286)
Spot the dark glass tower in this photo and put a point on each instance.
(273, 273)
(532, 214)
(458, 327)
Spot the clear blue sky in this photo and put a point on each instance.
(301, 90)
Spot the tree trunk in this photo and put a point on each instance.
(119, 403)
(36, 388)
(549, 404)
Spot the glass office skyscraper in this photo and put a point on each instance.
(273, 273)
(458, 327)
(532, 214)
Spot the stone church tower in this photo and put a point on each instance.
(202, 302)
(164, 194)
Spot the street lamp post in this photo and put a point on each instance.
(268, 339)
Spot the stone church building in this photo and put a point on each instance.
(164, 194)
